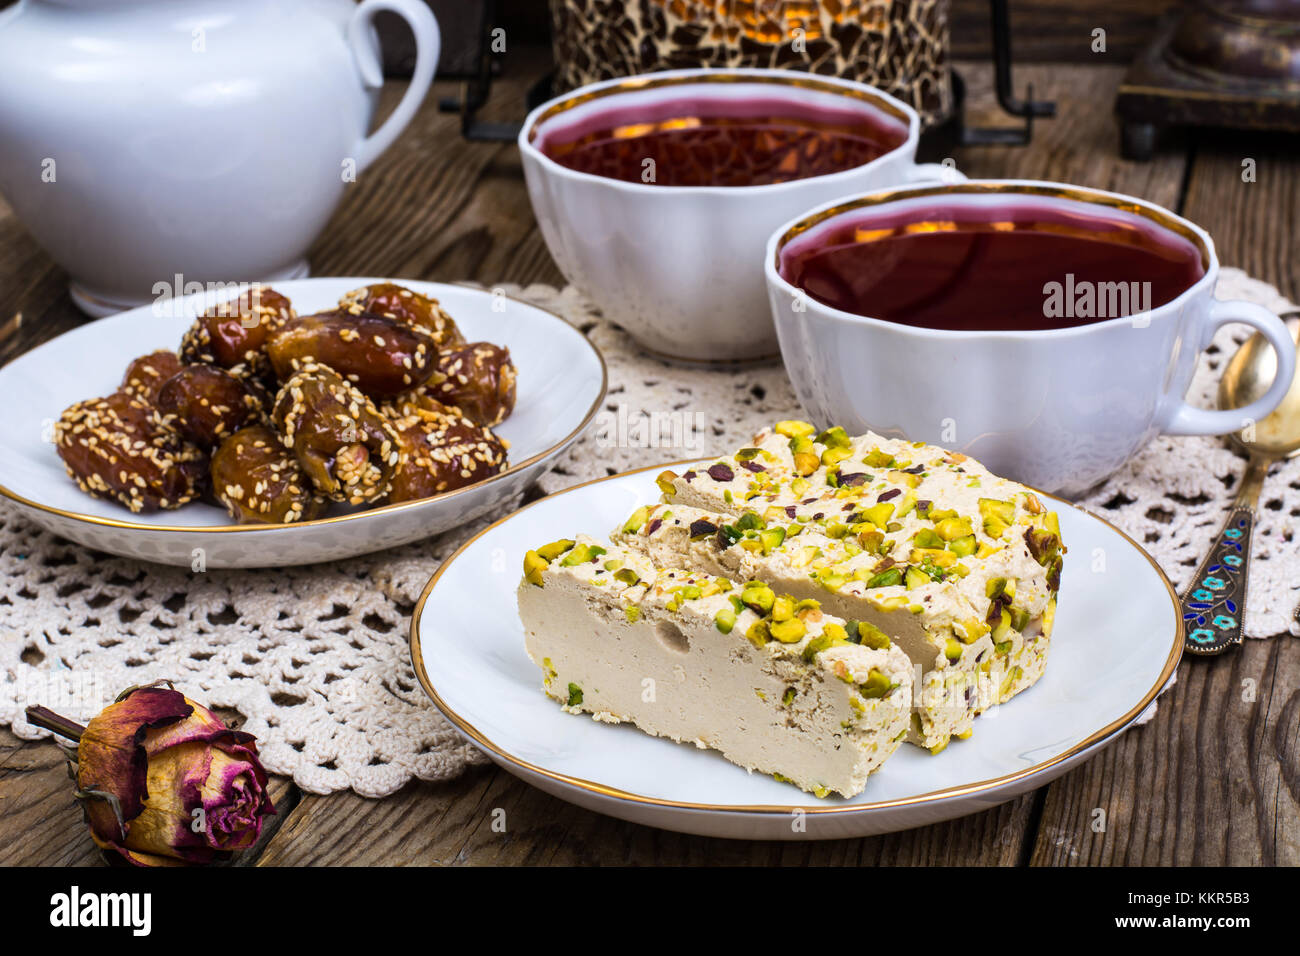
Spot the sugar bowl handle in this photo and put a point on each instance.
(427, 45)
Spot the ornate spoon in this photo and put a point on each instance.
(1214, 603)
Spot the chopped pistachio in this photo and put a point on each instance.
(963, 547)
(758, 596)
(581, 554)
(835, 632)
(871, 636)
(835, 437)
(940, 559)
(788, 632)
(879, 514)
(876, 685)
(878, 459)
(534, 565)
(886, 578)
(638, 518)
(831, 580)
(556, 548)
(952, 528)
(833, 456)
(1002, 627)
(770, 539)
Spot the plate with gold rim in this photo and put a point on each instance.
(561, 384)
(1117, 640)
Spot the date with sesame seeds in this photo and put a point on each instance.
(378, 355)
(260, 482)
(120, 448)
(346, 446)
(205, 404)
(233, 334)
(407, 307)
(441, 451)
(145, 376)
(478, 379)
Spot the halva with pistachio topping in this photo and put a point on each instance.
(771, 681)
(927, 548)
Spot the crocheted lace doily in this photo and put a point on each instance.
(315, 658)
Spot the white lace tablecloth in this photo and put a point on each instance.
(315, 658)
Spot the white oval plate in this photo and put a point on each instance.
(561, 385)
(1117, 639)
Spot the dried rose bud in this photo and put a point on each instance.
(164, 781)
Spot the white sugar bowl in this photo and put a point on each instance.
(151, 145)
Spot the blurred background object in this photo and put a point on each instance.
(899, 48)
(903, 49)
(1233, 63)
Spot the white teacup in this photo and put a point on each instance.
(1059, 409)
(679, 267)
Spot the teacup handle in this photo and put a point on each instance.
(935, 172)
(1189, 420)
(427, 44)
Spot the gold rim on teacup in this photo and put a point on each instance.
(776, 78)
(1093, 197)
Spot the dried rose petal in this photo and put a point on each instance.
(187, 787)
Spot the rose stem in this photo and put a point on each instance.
(45, 718)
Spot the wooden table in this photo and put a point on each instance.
(1213, 779)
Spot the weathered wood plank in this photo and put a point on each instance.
(1213, 779)
(1059, 30)
(1253, 222)
(489, 817)
(1080, 145)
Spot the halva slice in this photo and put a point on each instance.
(772, 683)
(945, 558)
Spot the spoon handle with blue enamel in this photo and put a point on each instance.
(1214, 604)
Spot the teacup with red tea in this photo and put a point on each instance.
(1048, 330)
(655, 193)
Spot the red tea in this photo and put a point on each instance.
(695, 140)
(1020, 264)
